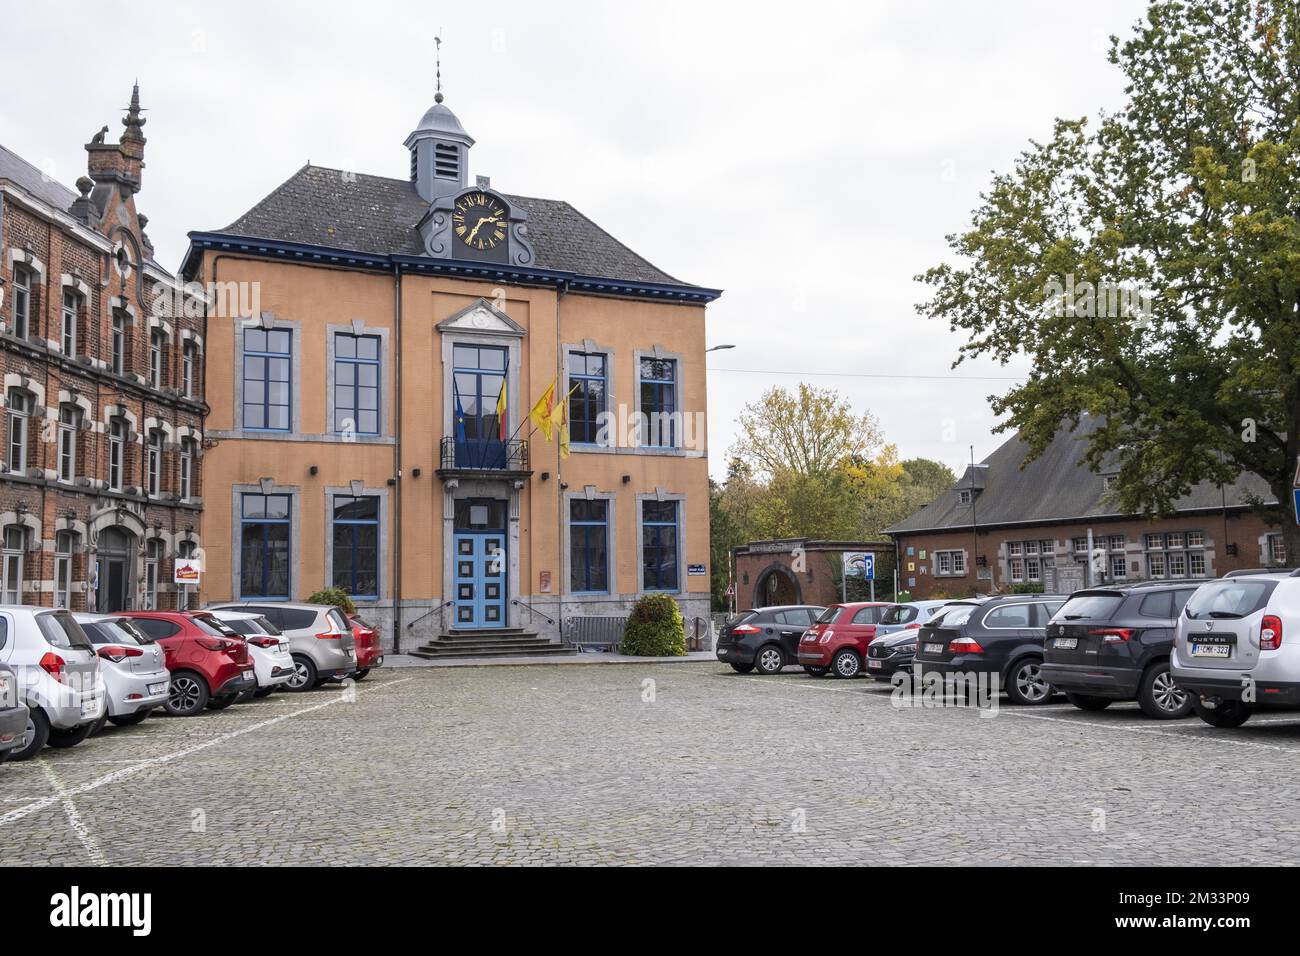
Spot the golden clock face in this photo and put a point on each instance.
(479, 220)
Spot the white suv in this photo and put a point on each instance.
(58, 676)
(320, 639)
(1238, 645)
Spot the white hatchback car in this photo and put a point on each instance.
(268, 648)
(1237, 646)
(58, 676)
(135, 672)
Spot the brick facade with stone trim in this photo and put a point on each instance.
(102, 367)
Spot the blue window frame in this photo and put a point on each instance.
(478, 377)
(264, 545)
(356, 383)
(588, 387)
(268, 379)
(356, 545)
(589, 546)
(659, 401)
(659, 546)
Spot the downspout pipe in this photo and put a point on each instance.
(397, 459)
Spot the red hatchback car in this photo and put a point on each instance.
(370, 653)
(208, 661)
(838, 641)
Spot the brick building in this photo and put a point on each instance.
(806, 571)
(1003, 525)
(100, 478)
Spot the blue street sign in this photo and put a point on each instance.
(1296, 492)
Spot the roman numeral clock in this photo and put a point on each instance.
(479, 225)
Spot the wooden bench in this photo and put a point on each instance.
(594, 632)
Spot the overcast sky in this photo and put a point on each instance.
(806, 158)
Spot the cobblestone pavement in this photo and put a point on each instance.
(544, 765)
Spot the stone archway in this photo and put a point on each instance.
(776, 585)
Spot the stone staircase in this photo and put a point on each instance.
(489, 642)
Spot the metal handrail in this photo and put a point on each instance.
(491, 455)
(430, 613)
(532, 610)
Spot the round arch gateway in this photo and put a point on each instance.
(776, 585)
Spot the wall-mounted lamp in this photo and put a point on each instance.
(546, 476)
(564, 485)
(415, 472)
(313, 470)
(627, 479)
(391, 482)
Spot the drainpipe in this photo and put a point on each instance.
(556, 583)
(397, 460)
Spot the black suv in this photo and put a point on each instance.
(1001, 635)
(1113, 643)
(766, 637)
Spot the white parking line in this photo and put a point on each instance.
(110, 778)
(1173, 733)
(74, 818)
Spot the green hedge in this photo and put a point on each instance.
(655, 628)
(336, 596)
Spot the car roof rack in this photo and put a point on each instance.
(1245, 572)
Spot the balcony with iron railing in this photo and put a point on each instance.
(469, 458)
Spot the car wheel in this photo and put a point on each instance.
(98, 725)
(361, 674)
(815, 671)
(1026, 685)
(1160, 697)
(846, 664)
(188, 695)
(304, 674)
(769, 659)
(70, 738)
(1229, 713)
(742, 668)
(263, 692)
(222, 702)
(38, 732)
(1088, 701)
(130, 720)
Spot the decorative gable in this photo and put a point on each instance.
(482, 318)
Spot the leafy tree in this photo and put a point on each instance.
(807, 432)
(1148, 264)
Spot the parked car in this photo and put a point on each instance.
(136, 679)
(369, 649)
(320, 640)
(909, 615)
(1113, 643)
(1231, 651)
(58, 676)
(267, 648)
(208, 661)
(13, 714)
(1000, 636)
(837, 642)
(766, 638)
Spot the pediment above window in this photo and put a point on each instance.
(482, 318)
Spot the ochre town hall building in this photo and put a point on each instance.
(100, 479)
(355, 436)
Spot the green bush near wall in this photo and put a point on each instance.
(336, 596)
(655, 628)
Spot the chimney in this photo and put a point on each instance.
(120, 163)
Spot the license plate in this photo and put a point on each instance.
(809, 638)
(1066, 643)
(876, 664)
(934, 648)
(1211, 650)
(157, 688)
(250, 675)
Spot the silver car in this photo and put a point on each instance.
(135, 673)
(320, 640)
(13, 714)
(1237, 647)
(58, 676)
(911, 614)
(267, 647)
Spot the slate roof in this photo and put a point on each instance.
(378, 215)
(27, 177)
(1053, 487)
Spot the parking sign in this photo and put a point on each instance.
(860, 563)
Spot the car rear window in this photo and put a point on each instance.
(297, 619)
(212, 625)
(829, 615)
(1229, 598)
(241, 627)
(954, 615)
(61, 630)
(127, 630)
(339, 621)
(1158, 605)
(1090, 607)
(796, 617)
(266, 627)
(899, 614)
(867, 615)
(741, 618)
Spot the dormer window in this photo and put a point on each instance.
(965, 496)
(1109, 482)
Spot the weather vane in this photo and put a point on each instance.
(437, 59)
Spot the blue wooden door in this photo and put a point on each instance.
(480, 579)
